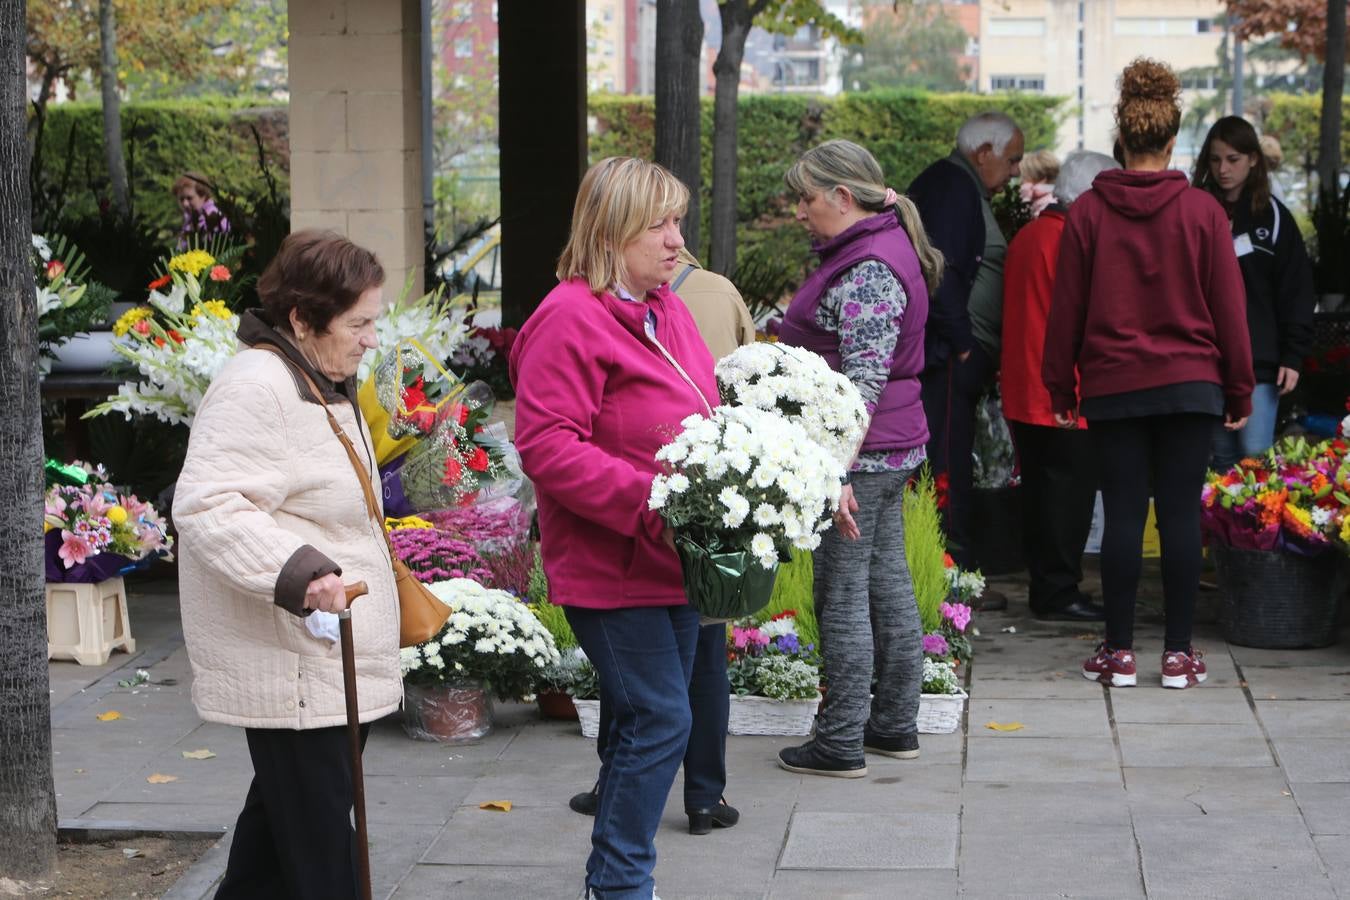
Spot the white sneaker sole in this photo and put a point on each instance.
(1116, 680)
(828, 773)
(1183, 681)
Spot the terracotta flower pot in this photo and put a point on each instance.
(450, 713)
(556, 705)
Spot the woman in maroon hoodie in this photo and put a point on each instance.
(1149, 307)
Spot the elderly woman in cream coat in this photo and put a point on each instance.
(272, 521)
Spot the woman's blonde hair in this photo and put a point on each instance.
(1039, 167)
(620, 197)
(843, 164)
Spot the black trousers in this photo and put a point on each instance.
(950, 393)
(705, 759)
(1059, 487)
(295, 839)
(1174, 451)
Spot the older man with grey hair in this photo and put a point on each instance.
(964, 315)
(1059, 478)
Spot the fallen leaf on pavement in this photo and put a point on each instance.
(157, 778)
(1004, 726)
(111, 715)
(198, 754)
(499, 805)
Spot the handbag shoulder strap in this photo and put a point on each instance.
(362, 474)
(675, 285)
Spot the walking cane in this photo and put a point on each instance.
(354, 738)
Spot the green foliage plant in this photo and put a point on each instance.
(925, 548)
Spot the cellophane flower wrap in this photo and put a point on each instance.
(491, 637)
(431, 320)
(93, 530)
(767, 658)
(178, 342)
(800, 386)
(746, 478)
(1294, 498)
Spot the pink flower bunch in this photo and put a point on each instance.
(958, 614)
(935, 645)
(748, 639)
(95, 518)
(433, 555)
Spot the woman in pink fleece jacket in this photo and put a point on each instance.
(605, 370)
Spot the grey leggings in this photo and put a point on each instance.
(869, 622)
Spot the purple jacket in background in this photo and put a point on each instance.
(899, 421)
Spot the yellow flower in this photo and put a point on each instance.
(1345, 529)
(192, 262)
(215, 308)
(129, 319)
(407, 522)
(117, 515)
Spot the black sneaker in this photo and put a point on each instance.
(905, 746)
(809, 760)
(586, 803)
(704, 820)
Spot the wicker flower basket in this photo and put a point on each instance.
(1275, 600)
(760, 715)
(941, 713)
(588, 713)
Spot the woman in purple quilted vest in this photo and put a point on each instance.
(863, 310)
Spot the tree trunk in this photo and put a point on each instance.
(736, 18)
(679, 57)
(1330, 226)
(112, 109)
(27, 796)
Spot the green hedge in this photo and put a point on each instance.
(905, 130)
(1295, 120)
(161, 140)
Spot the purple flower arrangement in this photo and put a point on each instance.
(434, 555)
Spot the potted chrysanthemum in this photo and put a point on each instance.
(742, 487)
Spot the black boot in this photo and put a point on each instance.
(586, 803)
(702, 821)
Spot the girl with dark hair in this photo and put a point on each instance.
(1275, 271)
(1148, 311)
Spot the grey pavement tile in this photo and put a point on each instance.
(1305, 718)
(1337, 654)
(167, 816)
(1325, 807)
(1314, 759)
(1040, 718)
(1061, 684)
(1193, 745)
(1322, 683)
(887, 789)
(1055, 760)
(1335, 853)
(394, 851)
(871, 841)
(735, 861)
(556, 837)
(525, 882)
(548, 788)
(1209, 790)
(415, 799)
(1043, 863)
(1254, 857)
(809, 884)
(1000, 808)
(1206, 706)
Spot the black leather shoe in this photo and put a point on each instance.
(1080, 610)
(991, 601)
(702, 821)
(586, 803)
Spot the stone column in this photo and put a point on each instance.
(356, 127)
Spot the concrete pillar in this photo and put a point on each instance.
(356, 127)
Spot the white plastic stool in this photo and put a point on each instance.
(86, 622)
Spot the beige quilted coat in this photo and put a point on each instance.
(265, 476)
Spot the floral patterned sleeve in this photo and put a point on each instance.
(866, 308)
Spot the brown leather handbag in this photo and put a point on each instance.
(421, 614)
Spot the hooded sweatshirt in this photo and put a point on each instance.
(1147, 294)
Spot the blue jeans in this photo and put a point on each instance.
(1256, 437)
(644, 658)
(705, 762)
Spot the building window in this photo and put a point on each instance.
(464, 48)
(461, 13)
(1202, 81)
(1027, 83)
(1016, 28)
(1138, 27)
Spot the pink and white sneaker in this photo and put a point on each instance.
(1181, 669)
(1111, 667)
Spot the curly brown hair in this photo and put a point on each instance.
(1149, 112)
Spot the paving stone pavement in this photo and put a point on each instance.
(1238, 788)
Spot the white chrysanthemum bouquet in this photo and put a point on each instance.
(741, 488)
(800, 386)
(490, 637)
